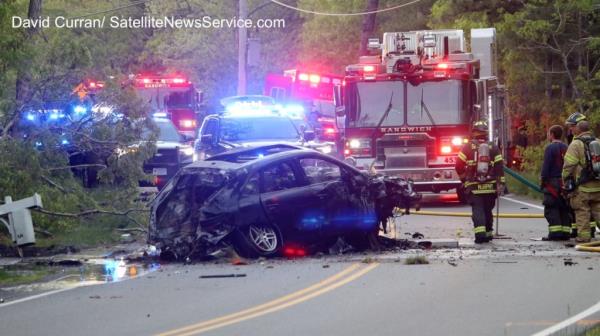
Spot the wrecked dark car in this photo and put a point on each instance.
(263, 200)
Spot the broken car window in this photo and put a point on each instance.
(251, 187)
(278, 177)
(318, 171)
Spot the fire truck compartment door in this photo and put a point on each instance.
(405, 157)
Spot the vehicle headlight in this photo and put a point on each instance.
(354, 143)
(188, 151)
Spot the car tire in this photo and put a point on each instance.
(258, 240)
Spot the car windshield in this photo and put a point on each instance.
(440, 101)
(166, 132)
(257, 129)
(372, 100)
(160, 99)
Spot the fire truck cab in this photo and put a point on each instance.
(408, 111)
(171, 96)
(311, 92)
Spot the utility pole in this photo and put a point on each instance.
(242, 41)
(368, 26)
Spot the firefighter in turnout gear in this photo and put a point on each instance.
(480, 167)
(571, 124)
(582, 163)
(556, 208)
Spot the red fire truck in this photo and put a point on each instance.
(310, 92)
(170, 96)
(408, 111)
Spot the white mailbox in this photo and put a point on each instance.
(19, 222)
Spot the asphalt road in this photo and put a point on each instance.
(509, 287)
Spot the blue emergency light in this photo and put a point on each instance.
(79, 109)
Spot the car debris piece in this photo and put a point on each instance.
(418, 235)
(256, 198)
(452, 262)
(569, 262)
(215, 276)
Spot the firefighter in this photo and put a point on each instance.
(479, 166)
(556, 209)
(571, 124)
(585, 200)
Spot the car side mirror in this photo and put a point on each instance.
(308, 135)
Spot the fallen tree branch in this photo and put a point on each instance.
(89, 212)
(43, 232)
(77, 166)
(133, 230)
(54, 184)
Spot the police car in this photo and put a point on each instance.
(250, 121)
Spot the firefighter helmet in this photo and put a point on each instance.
(480, 127)
(574, 118)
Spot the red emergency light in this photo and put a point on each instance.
(442, 66)
(369, 68)
(303, 77)
(178, 80)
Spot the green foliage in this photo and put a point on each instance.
(417, 260)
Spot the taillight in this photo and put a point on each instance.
(178, 80)
(358, 147)
(187, 123)
(303, 77)
(451, 145)
(329, 130)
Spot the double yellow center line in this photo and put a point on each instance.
(339, 279)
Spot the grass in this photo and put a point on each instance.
(418, 260)
(518, 188)
(20, 277)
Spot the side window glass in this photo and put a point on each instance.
(318, 170)
(211, 127)
(278, 177)
(251, 187)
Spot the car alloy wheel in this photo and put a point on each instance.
(263, 237)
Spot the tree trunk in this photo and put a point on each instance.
(23, 94)
(368, 26)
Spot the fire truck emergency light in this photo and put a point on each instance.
(369, 68)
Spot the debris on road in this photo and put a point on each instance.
(418, 235)
(95, 297)
(325, 266)
(452, 262)
(417, 260)
(569, 262)
(216, 276)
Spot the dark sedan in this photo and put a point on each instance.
(268, 199)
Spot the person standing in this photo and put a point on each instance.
(556, 209)
(479, 166)
(586, 199)
(571, 124)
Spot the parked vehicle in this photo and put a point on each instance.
(265, 199)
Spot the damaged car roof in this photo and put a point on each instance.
(250, 156)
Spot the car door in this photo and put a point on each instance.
(285, 199)
(327, 188)
(329, 185)
(206, 144)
